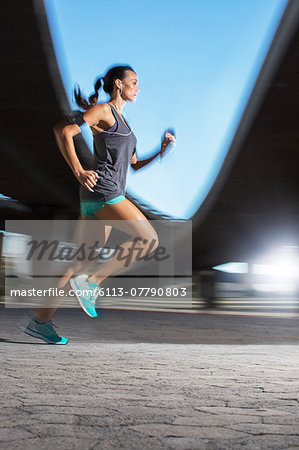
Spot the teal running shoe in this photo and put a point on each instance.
(44, 331)
(86, 293)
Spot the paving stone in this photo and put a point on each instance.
(205, 432)
(151, 381)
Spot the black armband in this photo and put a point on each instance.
(76, 117)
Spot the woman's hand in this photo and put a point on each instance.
(168, 138)
(87, 178)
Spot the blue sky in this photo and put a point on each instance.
(197, 62)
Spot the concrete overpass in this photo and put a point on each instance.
(254, 202)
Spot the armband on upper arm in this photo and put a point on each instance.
(81, 123)
(78, 120)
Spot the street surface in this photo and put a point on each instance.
(151, 380)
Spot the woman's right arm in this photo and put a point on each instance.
(64, 133)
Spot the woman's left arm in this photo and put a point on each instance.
(137, 164)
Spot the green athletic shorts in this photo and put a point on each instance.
(88, 208)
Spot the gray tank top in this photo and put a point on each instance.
(112, 155)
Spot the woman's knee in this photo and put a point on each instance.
(151, 241)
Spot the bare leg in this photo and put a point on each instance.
(126, 217)
(129, 219)
(87, 234)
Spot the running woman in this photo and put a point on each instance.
(102, 190)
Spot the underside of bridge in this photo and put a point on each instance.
(254, 202)
(33, 100)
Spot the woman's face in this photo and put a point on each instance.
(130, 87)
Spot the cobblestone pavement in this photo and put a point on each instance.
(140, 380)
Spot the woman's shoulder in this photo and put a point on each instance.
(103, 107)
(100, 111)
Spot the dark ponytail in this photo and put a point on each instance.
(92, 99)
(117, 72)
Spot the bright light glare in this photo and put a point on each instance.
(282, 263)
(275, 287)
(233, 267)
(279, 270)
